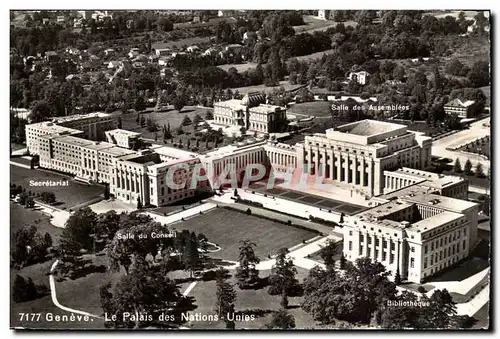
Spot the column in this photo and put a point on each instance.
(370, 178)
(380, 249)
(372, 255)
(332, 163)
(346, 169)
(362, 171)
(339, 165)
(355, 169)
(365, 248)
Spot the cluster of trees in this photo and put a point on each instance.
(29, 246)
(26, 290)
(360, 296)
(146, 289)
(467, 168)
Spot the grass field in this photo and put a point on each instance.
(180, 43)
(20, 217)
(314, 108)
(314, 56)
(251, 302)
(239, 67)
(67, 196)
(315, 24)
(259, 88)
(226, 228)
(170, 116)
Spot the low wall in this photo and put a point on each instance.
(289, 207)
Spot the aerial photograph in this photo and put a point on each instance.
(231, 170)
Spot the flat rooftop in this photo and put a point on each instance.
(123, 132)
(439, 201)
(379, 212)
(265, 109)
(50, 127)
(70, 140)
(116, 151)
(98, 145)
(439, 180)
(171, 152)
(80, 117)
(369, 127)
(435, 221)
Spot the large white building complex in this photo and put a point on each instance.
(415, 222)
(418, 229)
(251, 113)
(357, 154)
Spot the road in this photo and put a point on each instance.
(476, 130)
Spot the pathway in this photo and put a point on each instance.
(54, 296)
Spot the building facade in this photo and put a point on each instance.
(464, 109)
(415, 230)
(251, 113)
(358, 153)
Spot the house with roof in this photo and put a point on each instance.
(464, 109)
(51, 56)
(109, 51)
(163, 52)
(114, 64)
(193, 49)
(133, 53)
(360, 77)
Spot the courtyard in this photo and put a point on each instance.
(227, 228)
(309, 199)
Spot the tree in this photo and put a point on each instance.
(146, 290)
(191, 255)
(179, 130)
(355, 296)
(23, 290)
(282, 279)
(48, 197)
(186, 121)
(107, 225)
(106, 191)
(282, 319)
(79, 230)
(479, 74)
(225, 295)
(209, 115)
(140, 104)
(468, 167)
(30, 203)
(479, 170)
(197, 119)
(457, 167)
(179, 102)
(328, 253)
(246, 273)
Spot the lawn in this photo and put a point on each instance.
(314, 56)
(239, 67)
(180, 43)
(250, 302)
(170, 116)
(227, 227)
(20, 217)
(313, 108)
(313, 23)
(259, 88)
(480, 146)
(67, 196)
